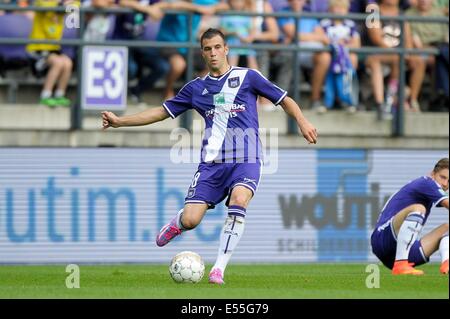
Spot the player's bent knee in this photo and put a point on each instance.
(190, 219)
(189, 222)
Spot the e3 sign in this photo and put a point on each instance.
(105, 74)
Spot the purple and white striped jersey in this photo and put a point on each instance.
(229, 106)
(423, 190)
(336, 32)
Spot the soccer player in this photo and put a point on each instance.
(227, 99)
(395, 238)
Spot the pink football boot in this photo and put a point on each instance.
(216, 277)
(167, 233)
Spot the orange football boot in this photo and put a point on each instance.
(402, 267)
(444, 268)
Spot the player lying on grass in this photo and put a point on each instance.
(230, 161)
(395, 238)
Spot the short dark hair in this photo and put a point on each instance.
(442, 164)
(211, 33)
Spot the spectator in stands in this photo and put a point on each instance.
(386, 34)
(175, 28)
(131, 26)
(267, 32)
(356, 6)
(19, 3)
(441, 5)
(239, 30)
(310, 35)
(342, 35)
(98, 24)
(433, 35)
(48, 58)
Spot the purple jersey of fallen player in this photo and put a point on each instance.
(228, 105)
(423, 190)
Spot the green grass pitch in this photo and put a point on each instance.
(293, 281)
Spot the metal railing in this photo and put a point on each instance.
(191, 45)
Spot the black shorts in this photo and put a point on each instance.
(39, 62)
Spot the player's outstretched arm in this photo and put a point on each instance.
(309, 132)
(146, 117)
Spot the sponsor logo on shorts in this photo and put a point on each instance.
(191, 192)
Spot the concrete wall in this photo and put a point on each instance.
(34, 125)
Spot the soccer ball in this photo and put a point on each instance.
(188, 267)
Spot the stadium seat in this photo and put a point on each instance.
(68, 34)
(14, 56)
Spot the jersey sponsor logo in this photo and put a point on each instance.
(219, 99)
(222, 107)
(205, 91)
(227, 108)
(234, 82)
